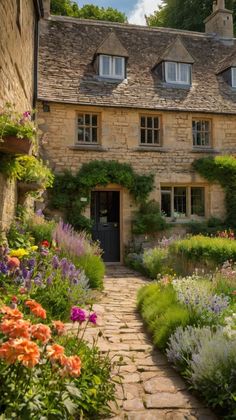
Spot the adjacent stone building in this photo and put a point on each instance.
(156, 98)
(18, 74)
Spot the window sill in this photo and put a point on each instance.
(159, 149)
(110, 79)
(96, 148)
(176, 86)
(205, 150)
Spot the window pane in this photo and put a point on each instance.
(80, 119)
(106, 65)
(94, 120)
(87, 119)
(171, 72)
(143, 136)
(166, 203)
(156, 137)
(233, 77)
(201, 133)
(94, 135)
(180, 201)
(156, 122)
(184, 70)
(149, 136)
(197, 201)
(118, 63)
(143, 122)
(80, 134)
(149, 122)
(87, 135)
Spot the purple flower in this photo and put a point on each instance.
(39, 212)
(49, 280)
(55, 262)
(44, 252)
(65, 265)
(3, 268)
(93, 318)
(31, 263)
(27, 115)
(77, 314)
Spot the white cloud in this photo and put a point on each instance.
(142, 8)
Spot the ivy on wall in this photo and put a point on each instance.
(221, 169)
(71, 193)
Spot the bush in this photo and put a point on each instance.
(204, 249)
(210, 227)
(94, 269)
(161, 312)
(155, 261)
(41, 229)
(148, 219)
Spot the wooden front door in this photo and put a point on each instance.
(105, 213)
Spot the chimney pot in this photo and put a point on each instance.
(220, 22)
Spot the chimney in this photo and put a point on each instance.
(220, 22)
(46, 8)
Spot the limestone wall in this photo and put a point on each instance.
(17, 28)
(119, 140)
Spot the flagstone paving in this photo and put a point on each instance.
(150, 388)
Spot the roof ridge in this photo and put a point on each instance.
(94, 22)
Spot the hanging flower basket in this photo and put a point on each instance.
(14, 145)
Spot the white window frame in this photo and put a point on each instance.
(88, 127)
(178, 73)
(112, 66)
(233, 76)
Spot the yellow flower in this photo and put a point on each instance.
(20, 253)
(33, 248)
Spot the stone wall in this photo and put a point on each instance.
(17, 26)
(119, 140)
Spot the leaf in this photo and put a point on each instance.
(69, 405)
(73, 390)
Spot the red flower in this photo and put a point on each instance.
(45, 244)
(14, 299)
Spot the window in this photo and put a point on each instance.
(233, 70)
(150, 130)
(178, 73)
(87, 128)
(112, 67)
(182, 202)
(201, 133)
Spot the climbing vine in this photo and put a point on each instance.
(221, 169)
(71, 193)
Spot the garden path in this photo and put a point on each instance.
(151, 389)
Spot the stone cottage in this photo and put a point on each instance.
(18, 74)
(156, 98)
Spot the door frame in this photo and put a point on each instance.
(115, 187)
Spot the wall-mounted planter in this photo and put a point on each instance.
(26, 187)
(15, 146)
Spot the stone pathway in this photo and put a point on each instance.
(151, 389)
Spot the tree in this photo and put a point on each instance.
(185, 14)
(88, 11)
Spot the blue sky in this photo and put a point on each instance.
(134, 9)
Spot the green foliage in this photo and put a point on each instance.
(88, 11)
(185, 14)
(155, 262)
(26, 169)
(221, 169)
(148, 219)
(209, 227)
(161, 312)
(94, 269)
(41, 229)
(69, 189)
(205, 249)
(13, 123)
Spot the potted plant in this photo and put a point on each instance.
(17, 131)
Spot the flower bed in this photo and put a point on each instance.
(193, 320)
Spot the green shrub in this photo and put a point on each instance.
(41, 229)
(161, 312)
(94, 269)
(148, 219)
(155, 262)
(202, 248)
(210, 227)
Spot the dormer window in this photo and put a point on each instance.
(233, 76)
(112, 67)
(178, 73)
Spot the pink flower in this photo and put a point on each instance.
(77, 314)
(93, 318)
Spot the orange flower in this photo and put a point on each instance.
(13, 263)
(21, 349)
(55, 352)
(15, 329)
(27, 352)
(11, 313)
(59, 327)
(72, 365)
(36, 308)
(41, 332)
(8, 353)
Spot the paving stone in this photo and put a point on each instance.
(164, 384)
(131, 378)
(171, 400)
(134, 404)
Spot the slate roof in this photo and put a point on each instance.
(67, 72)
